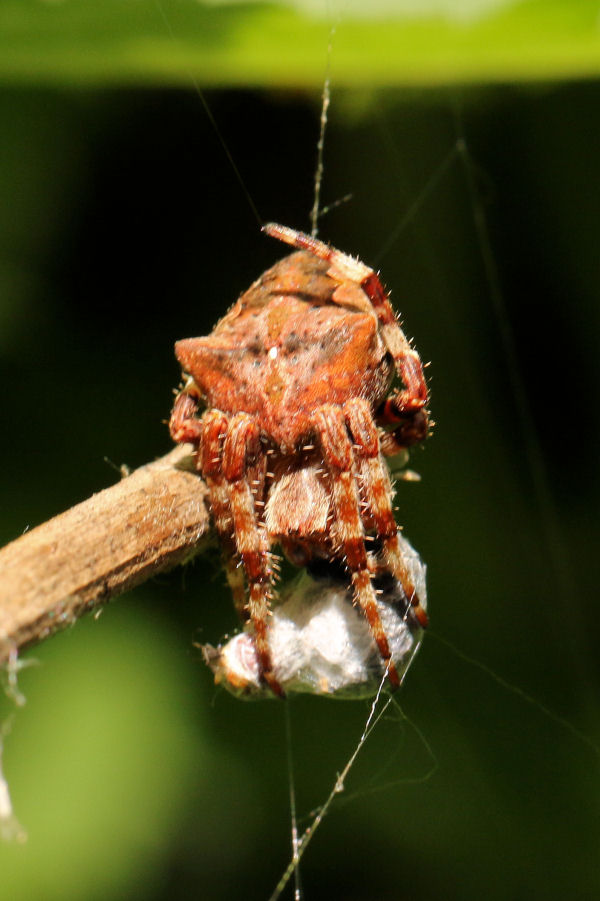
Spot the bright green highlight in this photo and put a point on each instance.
(100, 760)
(166, 41)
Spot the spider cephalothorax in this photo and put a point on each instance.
(295, 382)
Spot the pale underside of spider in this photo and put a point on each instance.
(297, 422)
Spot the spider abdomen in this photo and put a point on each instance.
(282, 358)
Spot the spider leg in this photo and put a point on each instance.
(206, 435)
(412, 428)
(223, 447)
(346, 267)
(390, 447)
(406, 409)
(413, 397)
(330, 427)
(183, 424)
(242, 441)
(376, 484)
(215, 426)
(408, 405)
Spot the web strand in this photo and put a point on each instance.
(418, 202)
(295, 862)
(326, 98)
(513, 689)
(535, 459)
(213, 122)
(373, 718)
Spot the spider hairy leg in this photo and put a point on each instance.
(376, 485)
(407, 406)
(406, 360)
(413, 429)
(214, 429)
(330, 426)
(345, 266)
(242, 442)
(183, 425)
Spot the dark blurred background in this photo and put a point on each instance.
(123, 228)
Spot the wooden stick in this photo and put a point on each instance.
(152, 520)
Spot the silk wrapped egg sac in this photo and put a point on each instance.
(320, 642)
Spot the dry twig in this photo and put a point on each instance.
(150, 521)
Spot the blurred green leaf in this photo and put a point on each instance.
(99, 760)
(166, 41)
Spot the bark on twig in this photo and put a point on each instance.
(152, 520)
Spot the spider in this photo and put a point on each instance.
(295, 381)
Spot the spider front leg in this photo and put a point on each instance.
(184, 425)
(406, 407)
(411, 428)
(330, 427)
(206, 435)
(241, 444)
(222, 448)
(215, 425)
(377, 490)
(413, 397)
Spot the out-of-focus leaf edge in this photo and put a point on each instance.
(149, 42)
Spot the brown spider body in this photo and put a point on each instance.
(287, 348)
(294, 379)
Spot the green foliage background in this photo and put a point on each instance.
(122, 228)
